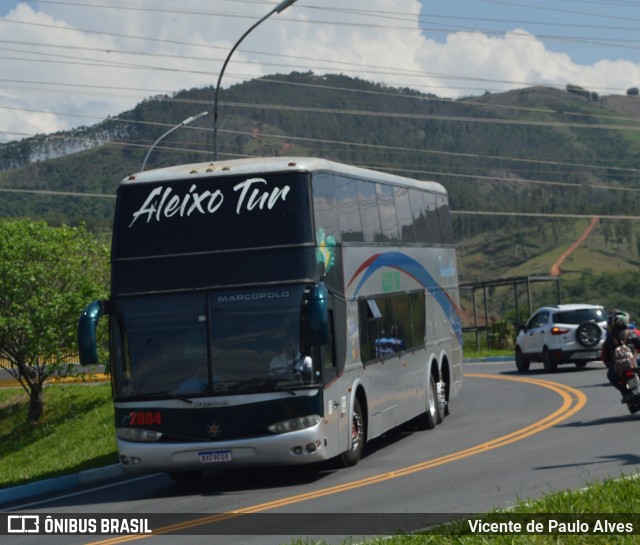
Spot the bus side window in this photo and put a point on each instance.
(433, 227)
(325, 207)
(388, 216)
(369, 316)
(390, 324)
(403, 211)
(347, 200)
(369, 213)
(419, 214)
(444, 219)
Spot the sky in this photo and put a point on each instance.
(71, 63)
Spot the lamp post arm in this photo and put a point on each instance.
(283, 5)
(280, 7)
(187, 121)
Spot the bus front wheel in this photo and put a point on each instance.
(356, 438)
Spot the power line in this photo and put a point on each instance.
(467, 155)
(385, 70)
(425, 98)
(545, 215)
(371, 12)
(455, 212)
(57, 193)
(406, 171)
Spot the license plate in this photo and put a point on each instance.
(214, 456)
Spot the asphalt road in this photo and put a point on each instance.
(509, 437)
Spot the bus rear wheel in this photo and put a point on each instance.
(429, 418)
(356, 439)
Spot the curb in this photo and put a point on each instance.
(57, 484)
(489, 359)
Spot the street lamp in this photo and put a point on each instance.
(187, 121)
(280, 7)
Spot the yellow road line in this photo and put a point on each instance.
(572, 401)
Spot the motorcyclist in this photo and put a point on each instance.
(619, 331)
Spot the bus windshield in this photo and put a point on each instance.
(228, 342)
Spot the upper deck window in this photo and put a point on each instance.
(356, 210)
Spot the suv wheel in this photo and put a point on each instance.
(522, 363)
(550, 366)
(588, 334)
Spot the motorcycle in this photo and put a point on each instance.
(629, 379)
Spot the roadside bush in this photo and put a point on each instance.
(502, 335)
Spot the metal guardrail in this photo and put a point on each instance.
(67, 358)
(92, 373)
(481, 322)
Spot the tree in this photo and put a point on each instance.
(47, 275)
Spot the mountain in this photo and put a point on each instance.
(508, 155)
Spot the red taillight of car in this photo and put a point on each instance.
(559, 330)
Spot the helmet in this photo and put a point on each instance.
(618, 319)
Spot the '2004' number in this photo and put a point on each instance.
(145, 418)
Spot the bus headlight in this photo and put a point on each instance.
(294, 424)
(139, 435)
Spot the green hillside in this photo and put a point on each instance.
(521, 153)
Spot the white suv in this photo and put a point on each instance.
(561, 334)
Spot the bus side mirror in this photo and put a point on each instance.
(87, 345)
(316, 303)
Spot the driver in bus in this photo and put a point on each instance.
(290, 360)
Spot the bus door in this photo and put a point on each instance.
(334, 404)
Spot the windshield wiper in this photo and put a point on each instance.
(251, 385)
(259, 385)
(291, 385)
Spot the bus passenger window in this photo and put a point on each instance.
(388, 217)
(433, 228)
(390, 324)
(444, 220)
(350, 225)
(325, 207)
(403, 211)
(419, 215)
(369, 214)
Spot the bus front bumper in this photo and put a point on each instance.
(292, 448)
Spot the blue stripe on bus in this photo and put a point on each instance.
(412, 268)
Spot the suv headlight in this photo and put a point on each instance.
(294, 424)
(138, 435)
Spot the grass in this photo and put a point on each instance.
(612, 500)
(616, 497)
(75, 433)
(472, 353)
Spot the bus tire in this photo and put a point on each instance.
(356, 438)
(429, 418)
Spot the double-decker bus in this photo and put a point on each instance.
(275, 311)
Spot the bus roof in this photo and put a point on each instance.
(271, 165)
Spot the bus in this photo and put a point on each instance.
(274, 311)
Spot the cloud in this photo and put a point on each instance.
(82, 62)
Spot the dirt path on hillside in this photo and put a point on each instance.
(556, 268)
